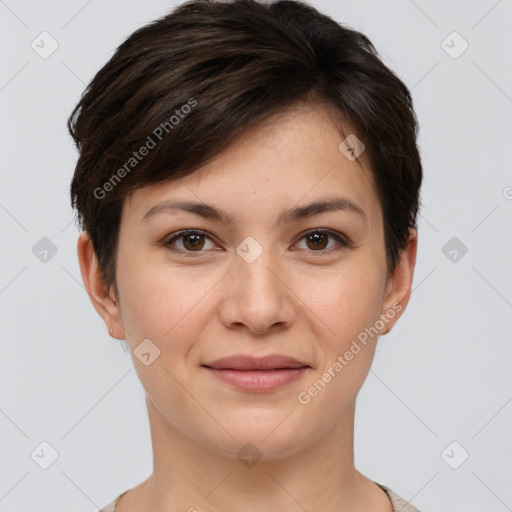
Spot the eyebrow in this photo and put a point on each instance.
(296, 213)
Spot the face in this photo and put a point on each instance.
(267, 276)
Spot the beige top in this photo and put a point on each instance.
(399, 504)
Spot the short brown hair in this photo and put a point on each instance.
(206, 72)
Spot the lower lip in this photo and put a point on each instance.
(259, 380)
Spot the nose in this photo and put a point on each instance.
(257, 296)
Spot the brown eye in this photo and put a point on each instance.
(195, 243)
(318, 240)
(191, 242)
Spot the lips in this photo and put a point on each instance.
(243, 362)
(257, 374)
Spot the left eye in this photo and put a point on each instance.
(318, 239)
(194, 241)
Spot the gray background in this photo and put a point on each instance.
(441, 375)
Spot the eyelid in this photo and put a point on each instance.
(342, 240)
(179, 234)
(339, 237)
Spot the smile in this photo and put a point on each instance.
(258, 380)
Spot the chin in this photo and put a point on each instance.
(249, 451)
(261, 440)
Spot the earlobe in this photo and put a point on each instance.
(104, 304)
(399, 285)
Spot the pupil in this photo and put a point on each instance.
(195, 243)
(315, 239)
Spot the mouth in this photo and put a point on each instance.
(252, 374)
(245, 362)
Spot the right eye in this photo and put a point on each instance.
(192, 241)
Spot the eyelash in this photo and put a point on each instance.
(180, 234)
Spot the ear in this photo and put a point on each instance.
(398, 287)
(106, 306)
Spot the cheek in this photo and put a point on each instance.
(167, 307)
(348, 308)
(160, 303)
(346, 301)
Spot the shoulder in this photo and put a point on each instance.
(399, 504)
(111, 507)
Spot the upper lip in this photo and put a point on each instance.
(247, 362)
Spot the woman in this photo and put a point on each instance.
(248, 185)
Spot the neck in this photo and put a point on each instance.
(195, 477)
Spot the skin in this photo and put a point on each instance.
(298, 299)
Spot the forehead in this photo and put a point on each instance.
(290, 159)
